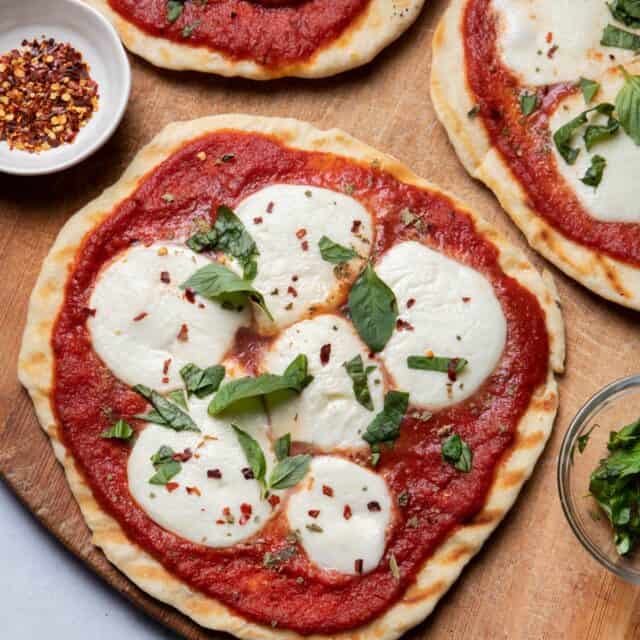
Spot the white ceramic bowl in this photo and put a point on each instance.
(93, 36)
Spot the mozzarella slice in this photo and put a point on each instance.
(452, 311)
(287, 222)
(548, 41)
(347, 526)
(326, 414)
(137, 328)
(214, 511)
(615, 198)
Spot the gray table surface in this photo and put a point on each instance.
(48, 593)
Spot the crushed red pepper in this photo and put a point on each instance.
(46, 95)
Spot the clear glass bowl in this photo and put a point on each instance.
(613, 407)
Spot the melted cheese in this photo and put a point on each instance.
(454, 313)
(139, 318)
(201, 515)
(572, 50)
(615, 198)
(331, 540)
(326, 414)
(283, 220)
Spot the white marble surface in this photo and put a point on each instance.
(48, 593)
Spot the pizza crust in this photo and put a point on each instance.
(453, 99)
(441, 570)
(382, 22)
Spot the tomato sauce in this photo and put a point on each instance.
(272, 34)
(87, 397)
(525, 143)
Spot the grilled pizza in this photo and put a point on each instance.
(259, 39)
(294, 387)
(541, 102)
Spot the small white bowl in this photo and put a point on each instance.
(93, 36)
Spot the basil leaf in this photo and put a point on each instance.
(202, 382)
(229, 236)
(289, 471)
(589, 89)
(373, 308)
(528, 103)
(295, 378)
(188, 29)
(164, 464)
(598, 133)
(457, 452)
(152, 416)
(614, 37)
(335, 253)
(121, 430)
(174, 9)
(253, 453)
(626, 11)
(626, 437)
(173, 416)
(628, 106)
(358, 374)
(216, 282)
(283, 446)
(178, 398)
(593, 175)
(385, 427)
(437, 363)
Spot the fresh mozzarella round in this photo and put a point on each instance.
(615, 198)
(145, 328)
(451, 311)
(326, 414)
(215, 511)
(286, 223)
(341, 512)
(550, 41)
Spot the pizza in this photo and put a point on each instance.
(259, 39)
(540, 101)
(293, 386)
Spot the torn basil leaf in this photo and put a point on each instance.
(289, 471)
(335, 253)
(528, 103)
(457, 452)
(358, 374)
(593, 175)
(202, 382)
(385, 427)
(589, 89)
(253, 452)
(188, 29)
(612, 36)
(626, 11)
(121, 430)
(596, 133)
(171, 415)
(437, 363)
(628, 106)
(627, 437)
(177, 396)
(164, 464)
(282, 447)
(174, 9)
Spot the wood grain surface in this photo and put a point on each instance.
(533, 579)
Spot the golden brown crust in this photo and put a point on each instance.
(441, 570)
(383, 22)
(453, 99)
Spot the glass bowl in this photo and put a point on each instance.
(613, 407)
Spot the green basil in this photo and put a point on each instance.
(282, 447)
(599, 133)
(614, 37)
(589, 89)
(625, 438)
(385, 427)
(437, 363)
(528, 103)
(253, 453)
(593, 175)
(166, 413)
(295, 377)
(457, 452)
(121, 430)
(358, 374)
(289, 471)
(174, 9)
(202, 382)
(626, 11)
(335, 253)
(628, 106)
(216, 282)
(188, 29)
(164, 464)
(373, 308)
(229, 236)
(177, 397)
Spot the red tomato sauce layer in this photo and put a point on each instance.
(87, 397)
(525, 143)
(242, 30)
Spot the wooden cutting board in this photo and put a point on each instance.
(533, 579)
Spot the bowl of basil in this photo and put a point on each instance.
(599, 477)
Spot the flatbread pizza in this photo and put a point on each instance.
(540, 100)
(293, 386)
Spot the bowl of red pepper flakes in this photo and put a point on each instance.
(64, 84)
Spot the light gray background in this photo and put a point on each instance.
(48, 593)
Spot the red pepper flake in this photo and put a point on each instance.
(270, 207)
(257, 220)
(166, 365)
(183, 334)
(165, 277)
(410, 302)
(185, 456)
(292, 291)
(465, 299)
(246, 509)
(355, 227)
(140, 316)
(294, 278)
(305, 245)
(328, 491)
(451, 369)
(220, 521)
(89, 311)
(172, 486)
(552, 51)
(549, 37)
(247, 473)
(214, 473)
(359, 565)
(374, 505)
(314, 513)
(193, 491)
(301, 233)
(200, 305)
(325, 354)
(403, 325)
(165, 380)
(190, 295)
(274, 501)
(226, 511)
(347, 512)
